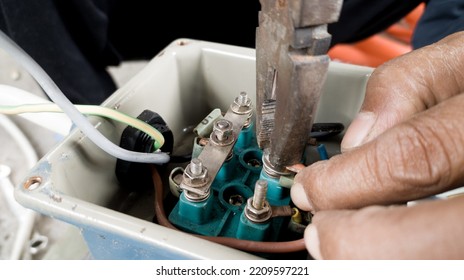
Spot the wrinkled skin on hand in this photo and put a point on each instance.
(406, 143)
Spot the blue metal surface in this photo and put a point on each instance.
(106, 245)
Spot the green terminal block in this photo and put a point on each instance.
(252, 231)
(223, 213)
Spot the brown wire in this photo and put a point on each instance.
(244, 245)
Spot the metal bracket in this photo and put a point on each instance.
(215, 154)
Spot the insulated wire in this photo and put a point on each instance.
(90, 110)
(57, 96)
(244, 245)
(58, 124)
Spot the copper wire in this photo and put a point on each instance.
(244, 245)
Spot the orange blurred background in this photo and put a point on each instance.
(379, 48)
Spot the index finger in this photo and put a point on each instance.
(417, 158)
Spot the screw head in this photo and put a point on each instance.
(223, 125)
(222, 133)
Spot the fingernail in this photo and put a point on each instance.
(358, 130)
(299, 197)
(312, 242)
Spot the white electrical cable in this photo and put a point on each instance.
(56, 123)
(25, 216)
(55, 94)
(90, 110)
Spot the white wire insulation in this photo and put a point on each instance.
(59, 124)
(57, 96)
(89, 110)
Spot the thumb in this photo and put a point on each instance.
(429, 230)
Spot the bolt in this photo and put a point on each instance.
(223, 129)
(195, 174)
(242, 99)
(259, 196)
(195, 181)
(223, 124)
(242, 104)
(258, 209)
(196, 167)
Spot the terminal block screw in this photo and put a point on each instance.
(223, 129)
(195, 172)
(258, 209)
(196, 167)
(242, 104)
(242, 100)
(222, 133)
(259, 196)
(194, 181)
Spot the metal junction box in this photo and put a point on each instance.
(76, 182)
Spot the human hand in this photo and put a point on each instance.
(406, 143)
